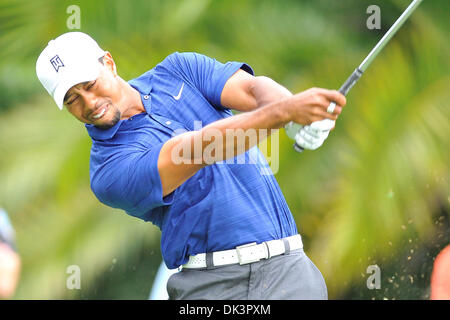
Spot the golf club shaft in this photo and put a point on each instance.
(354, 77)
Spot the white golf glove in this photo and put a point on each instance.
(312, 136)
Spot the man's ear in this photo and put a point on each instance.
(109, 63)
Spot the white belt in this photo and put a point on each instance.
(246, 253)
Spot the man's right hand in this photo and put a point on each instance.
(311, 105)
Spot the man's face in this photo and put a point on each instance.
(96, 102)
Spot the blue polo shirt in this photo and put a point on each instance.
(224, 205)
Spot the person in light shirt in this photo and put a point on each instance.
(10, 262)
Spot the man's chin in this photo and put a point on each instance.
(107, 124)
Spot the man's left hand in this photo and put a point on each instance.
(313, 136)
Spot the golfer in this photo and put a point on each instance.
(163, 150)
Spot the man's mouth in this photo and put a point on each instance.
(100, 112)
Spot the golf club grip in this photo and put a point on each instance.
(348, 84)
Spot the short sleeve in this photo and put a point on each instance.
(131, 182)
(207, 74)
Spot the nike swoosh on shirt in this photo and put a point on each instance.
(179, 93)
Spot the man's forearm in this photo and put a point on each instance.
(229, 137)
(232, 136)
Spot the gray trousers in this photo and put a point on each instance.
(291, 276)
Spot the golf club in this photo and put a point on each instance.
(292, 128)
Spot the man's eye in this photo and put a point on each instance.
(92, 84)
(72, 101)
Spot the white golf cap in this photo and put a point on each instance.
(68, 60)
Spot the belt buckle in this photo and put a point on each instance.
(241, 250)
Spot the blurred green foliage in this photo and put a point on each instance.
(377, 192)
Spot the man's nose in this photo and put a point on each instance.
(90, 102)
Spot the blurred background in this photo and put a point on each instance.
(376, 193)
